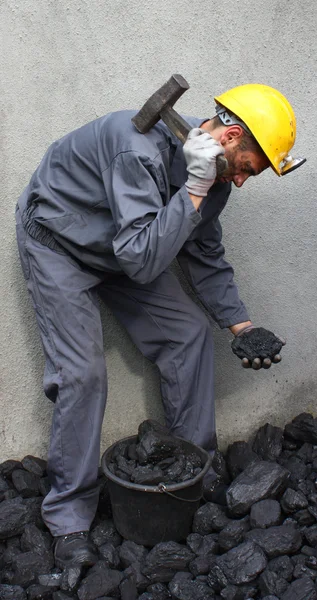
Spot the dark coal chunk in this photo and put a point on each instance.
(128, 588)
(298, 470)
(39, 592)
(12, 549)
(258, 342)
(105, 532)
(62, 596)
(241, 592)
(12, 592)
(27, 484)
(44, 486)
(15, 514)
(209, 545)
(302, 589)
(158, 591)
(165, 559)
(142, 582)
(34, 465)
(243, 563)
(305, 452)
(4, 487)
(28, 565)
(100, 581)
(201, 565)
(70, 579)
(301, 570)
(292, 501)
(51, 580)
(175, 471)
(310, 534)
(283, 566)
(130, 552)
(8, 466)
(33, 539)
(219, 465)
(126, 466)
(109, 555)
(10, 494)
(194, 541)
(271, 583)
(190, 590)
(268, 442)
(276, 541)
(304, 517)
(209, 518)
(147, 475)
(154, 447)
(239, 456)
(265, 513)
(258, 481)
(303, 428)
(233, 534)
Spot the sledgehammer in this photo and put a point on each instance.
(160, 106)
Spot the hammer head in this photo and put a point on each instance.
(163, 98)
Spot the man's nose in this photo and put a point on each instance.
(240, 179)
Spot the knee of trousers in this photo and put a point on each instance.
(87, 376)
(199, 330)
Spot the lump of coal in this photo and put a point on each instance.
(190, 590)
(100, 581)
(256, 343)
(265, 513)
(239, 456)
(302, 589)
(155, 443)
(233, 534)
(208, 518)
(258, 481)
(15, 514)
(303, 428)
(276, 541)
(268, 442)
(165, 559)
(293, 501)
(243, 563)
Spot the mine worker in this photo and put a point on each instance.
(104, 214)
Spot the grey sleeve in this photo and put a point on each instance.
(212, 277)
(149, 234)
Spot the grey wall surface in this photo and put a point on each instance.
(64, 63)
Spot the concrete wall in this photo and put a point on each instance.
(65, 63)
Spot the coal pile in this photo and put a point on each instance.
(155, 457)
(259, 541)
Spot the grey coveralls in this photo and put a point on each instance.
(105, 213)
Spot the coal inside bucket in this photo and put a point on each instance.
(148, 514)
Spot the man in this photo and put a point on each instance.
(106, 212)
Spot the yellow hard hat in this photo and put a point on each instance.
(269, 117)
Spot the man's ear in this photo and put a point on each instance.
(231, 134)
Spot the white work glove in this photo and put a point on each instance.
(201, 151)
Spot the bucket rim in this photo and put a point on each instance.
(154, 488)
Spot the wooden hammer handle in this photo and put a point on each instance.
(181, 129)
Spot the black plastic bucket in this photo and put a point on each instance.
(149, 514)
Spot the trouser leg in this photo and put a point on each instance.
(67, 312)
(173, 332)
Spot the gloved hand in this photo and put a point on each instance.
(201, 151)
(257, 347)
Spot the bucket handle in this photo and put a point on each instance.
(163, 490)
